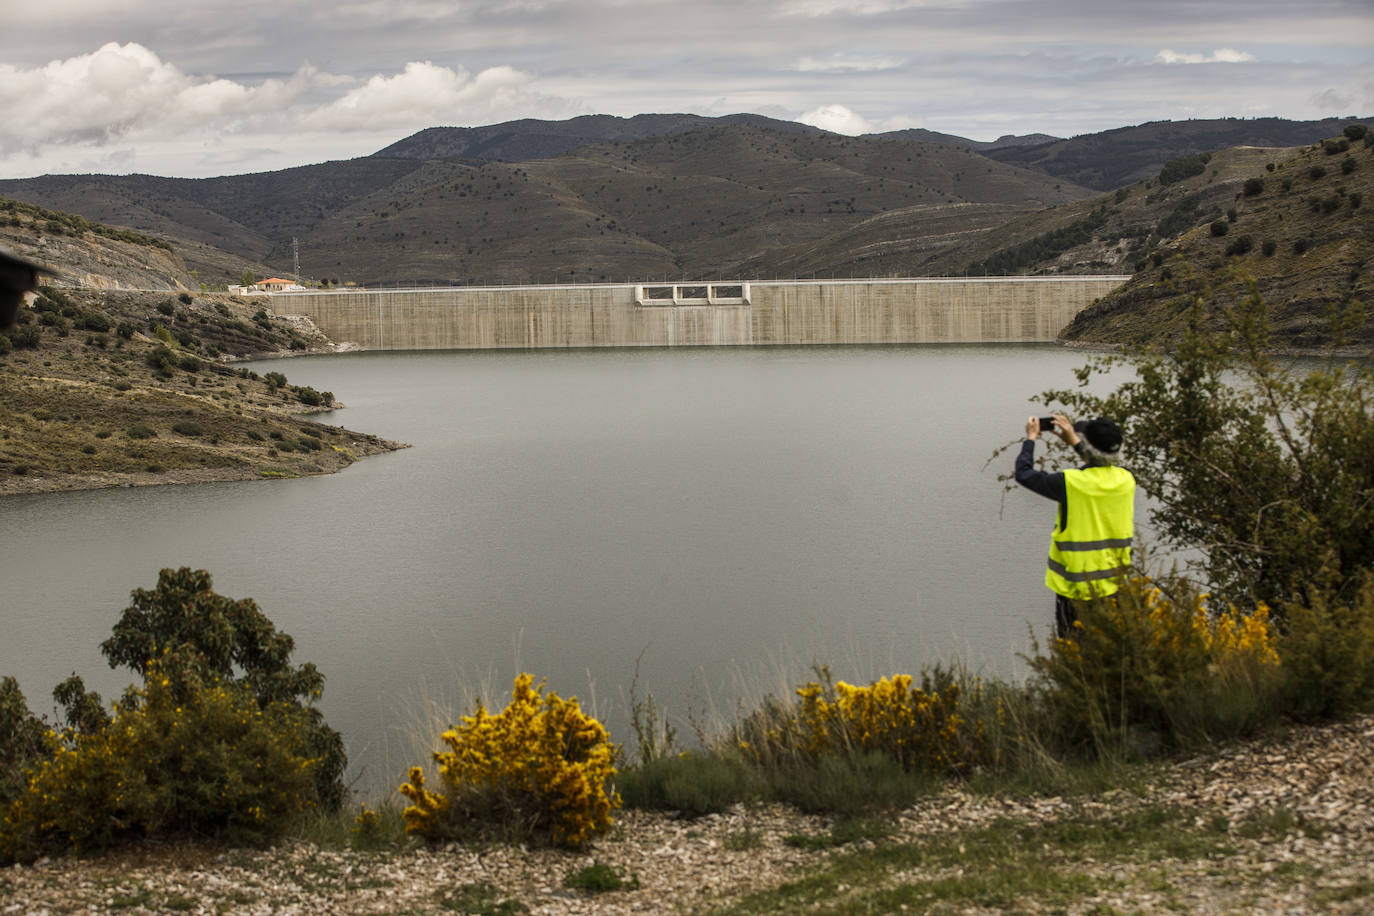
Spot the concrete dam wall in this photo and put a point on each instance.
(1017, 309)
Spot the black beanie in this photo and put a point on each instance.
(1102, 434)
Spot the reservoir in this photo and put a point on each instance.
(720, 517)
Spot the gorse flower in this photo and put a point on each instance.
(541, 765)
(920, 727)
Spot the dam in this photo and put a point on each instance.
(712, 314)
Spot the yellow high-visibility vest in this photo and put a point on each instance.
(1092, 551)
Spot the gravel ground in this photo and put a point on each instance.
(1321, 778)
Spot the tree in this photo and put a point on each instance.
(183, 626)
(247, 278)
(1265, 466)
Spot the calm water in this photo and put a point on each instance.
(726, 516)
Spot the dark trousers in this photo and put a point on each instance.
(1064, 617)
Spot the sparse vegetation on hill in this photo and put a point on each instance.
(1296, 228)
(114, 388)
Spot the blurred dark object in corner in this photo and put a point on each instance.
(17, 277)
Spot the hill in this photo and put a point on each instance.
(115, 385)
(1113, 158)
(730, 199)
(1110, 233)
(529, 138)
(921, 135)
(1298, 228)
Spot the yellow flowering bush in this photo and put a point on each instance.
(181, 755)
(1170, 665)
(539, 767)
(926, 728)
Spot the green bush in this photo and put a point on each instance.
(182, 756)
(186, 625)
(309, 396)
(1240, 245)
(1335, 147)
(24, 741)
(1220, 227)
(188, 428)
(1253, 186)
(160, 358)
(1176, 170)
(166, 307)
(1328, 653)
(139, 431)
(692, 784)
(189, 363)
(1355, 131)
(1146, 670)
(1269, 246)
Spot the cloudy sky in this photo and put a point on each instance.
(206, 87)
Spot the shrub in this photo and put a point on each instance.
(275, 380)
(922, 728)
(24, 740)
(139, 431)
(1335, 146)
(166, 307)
(1253, 186)
(1269, 246)
(1355, 131)
(1348, 165)
(1176, 170)
(185, 298)
(189, 363)
(126, 330)
(1240, 245)
(182, 756)
(188, 626)
(1328, 653)
(1220, 227)
(692, 784)
(160, 359)
(6, 345)
(309, 396)
(1316, 172)
(25, 337)
(539, 769)
(188, 428)
(95, 322)
(1144, 667)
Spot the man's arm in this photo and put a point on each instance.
(1047, 484)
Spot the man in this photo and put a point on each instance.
(1090, 550)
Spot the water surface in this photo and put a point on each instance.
(725, 516)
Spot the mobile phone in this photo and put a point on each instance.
(1047, 424)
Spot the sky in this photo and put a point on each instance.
(196, 88)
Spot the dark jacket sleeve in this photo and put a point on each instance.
(1047, 484)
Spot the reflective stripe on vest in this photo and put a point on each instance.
(1092, 550)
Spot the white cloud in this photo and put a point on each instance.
(123, 105)
(424, 95)
(847, 63)
(839, 119)
(1219, 56)
(123, 90)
